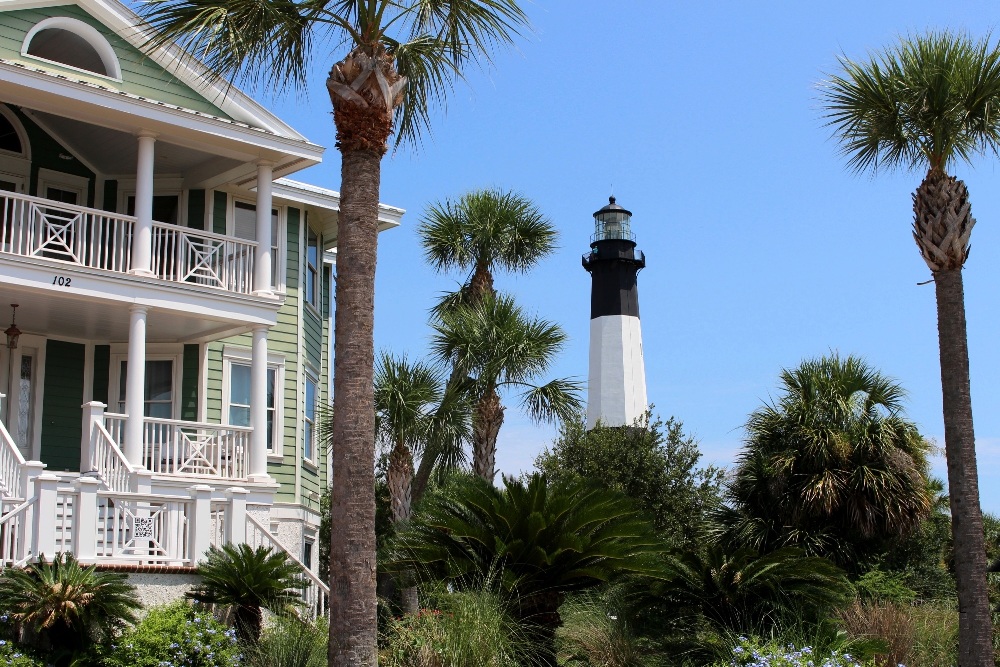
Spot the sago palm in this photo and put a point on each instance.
(399, 59)
(65, 605)
(413, 408)
(925, 104)
(537, 541)
(832, 466)
(498, 347)
(246, 581)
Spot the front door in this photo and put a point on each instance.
(22, 385)
(62, 415)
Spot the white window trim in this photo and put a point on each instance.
(181, 195)
(310, 374)
(279, 264)
(318, 282)
(89, 34)
(243, 356)
(63, 181)
(17, 179)
(153, 353)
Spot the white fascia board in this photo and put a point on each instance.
(37, 81)
(130, 27)
(329, 200)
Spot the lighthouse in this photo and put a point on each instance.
(616, 391)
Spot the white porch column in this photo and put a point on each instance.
(85, 519)
(263, 259)
(258, 404)
(236, 519)
(142, 238)
(135, 385)
(45, 527)
(199, 522)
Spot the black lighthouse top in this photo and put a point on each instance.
(613, 263)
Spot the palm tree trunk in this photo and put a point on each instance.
(399, 477)
(485, 430)
(353, 632)
(975, 631)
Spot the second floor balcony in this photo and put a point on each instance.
(93, 239)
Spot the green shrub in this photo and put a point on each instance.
(467, 628)
(175, 636)
(289, 641)
(14, 655)
(753, 652)
(881, 586)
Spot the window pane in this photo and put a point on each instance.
(159, 380)
(239, 416)
(270, 428)
(239, 385)
(307, 439)
(245, 221)
(310, 400)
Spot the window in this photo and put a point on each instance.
(239, 399)
(309, 427)
(10, 140)
(307, 553)
(166, 208)
(245, 227)
(312, 269)
(158, 399)
(72, 43)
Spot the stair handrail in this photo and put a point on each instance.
(11, 461)
(311, 576)
(113, 469)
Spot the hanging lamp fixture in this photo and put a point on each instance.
(13, 333)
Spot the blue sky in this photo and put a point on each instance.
(762, 248)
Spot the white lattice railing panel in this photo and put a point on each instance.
(190, 256)
(143, 529)
(37, 227)
(315, 594)
(175, 447)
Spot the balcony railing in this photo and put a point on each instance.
(174, 447)
(87, 237)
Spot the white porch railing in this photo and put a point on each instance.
(174, 447)
(315, 594)
(11, 463)
(109, 461)
(37, 227)
(14, 542)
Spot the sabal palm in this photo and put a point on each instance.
(247, 580)
(67, 605)
(537, 540)
(924, 104)
(832, 466)
(497, 346)
(483, 231)
(401, 58)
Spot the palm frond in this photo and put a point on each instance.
(558, 400)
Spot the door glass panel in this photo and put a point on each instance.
(25, 413)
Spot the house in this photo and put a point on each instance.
(170, 342)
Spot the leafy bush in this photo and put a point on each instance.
(13, 655)
(752, 652)
(289, 641)
(175, 636)
(467, 628)
(880, 586)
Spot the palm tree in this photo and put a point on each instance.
(538, 541)
(926, 103)
(402, 55)
(412, 409)
(247, 580)
(483, 231)
(497, 346)
(831, 467)
(67, 606)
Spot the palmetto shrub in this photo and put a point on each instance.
(175, 636)
(64, 607)
(245, 581)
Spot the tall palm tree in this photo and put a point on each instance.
(496, 346)
(412, 409)
(831, 467)
(925, 104)
(483, 231)
(402, 57)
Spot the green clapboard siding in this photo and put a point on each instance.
(45, 152)
(102, 370)
(196, 209)
(219, 205)
(312, 329)
(61, 413)
(189, 383)
(110, 195)
(140, 75)
(293, 219)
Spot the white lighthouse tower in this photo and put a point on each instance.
(616, 392)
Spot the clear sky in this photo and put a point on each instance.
(762, 248)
